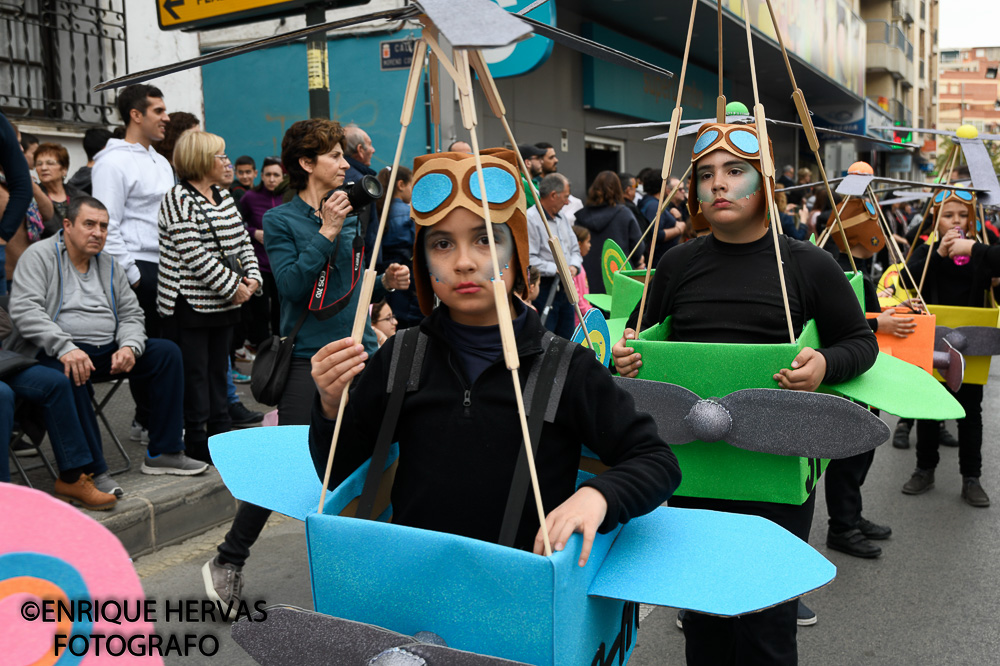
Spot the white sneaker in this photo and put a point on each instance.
(244, 354)
(139, 434)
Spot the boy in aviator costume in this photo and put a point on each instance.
(724, 288)
(458, 433)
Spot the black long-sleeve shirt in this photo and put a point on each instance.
(730, 293)
(459, 442)
(947, 283)
(15, 170)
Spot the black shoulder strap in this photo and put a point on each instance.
(404, 376)
(542, 391)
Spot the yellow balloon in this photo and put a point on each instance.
(967, 132)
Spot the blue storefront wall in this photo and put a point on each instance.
(252, 99)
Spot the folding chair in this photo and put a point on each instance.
(99, 412)
(18, 435)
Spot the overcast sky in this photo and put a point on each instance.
(966, 23)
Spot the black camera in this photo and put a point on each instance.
(359, 194)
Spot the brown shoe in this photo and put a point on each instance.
(84, 493)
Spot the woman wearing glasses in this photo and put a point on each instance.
(315, 246)
(207, 270)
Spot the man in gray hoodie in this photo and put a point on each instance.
(73, 310)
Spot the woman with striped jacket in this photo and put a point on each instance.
(207, 270)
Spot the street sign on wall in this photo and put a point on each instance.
(396, 54)
(197, 14)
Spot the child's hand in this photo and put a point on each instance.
(333, 368)
(583, 512)
(627, 363)
(948, 240)
(807, 371)
(898, 326)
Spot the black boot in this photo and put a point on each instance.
(901, 436)
(946, 438)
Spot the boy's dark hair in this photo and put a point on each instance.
(544, 146)
(180, 122)
(652, 182)
(78, 202)
(28, 140)
(244, 160)
(135, 97)
(94, 141)
(623, 179)
(309, 139)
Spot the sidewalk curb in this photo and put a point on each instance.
(168, 511)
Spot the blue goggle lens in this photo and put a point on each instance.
(745, 141)
(430, 192)
(964, 195)
(500, 185)
(705, 140)
(870, 207)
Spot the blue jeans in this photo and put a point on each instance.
(158, 374)
(53, 391)
(230, 386)
(561, 317)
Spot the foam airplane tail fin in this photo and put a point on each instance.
(247, 460)
(710, 562)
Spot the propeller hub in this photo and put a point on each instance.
(957, 340)
(709, 421)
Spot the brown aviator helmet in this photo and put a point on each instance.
(860, 226)
(443, 182)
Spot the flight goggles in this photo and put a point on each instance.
(961, 196)
(445, 184)
(740, 140)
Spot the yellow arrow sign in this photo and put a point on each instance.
(188, 14)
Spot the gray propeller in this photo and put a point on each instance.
(788, 423)
(292, 635)
(949, 362)
(970, 340)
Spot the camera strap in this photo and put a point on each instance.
(324, 307)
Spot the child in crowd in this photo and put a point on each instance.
(459, 434)
(383, 321)
(530, 292)
(580, 279)
(963, 283)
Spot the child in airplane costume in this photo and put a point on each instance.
(951, 281)
(459, 427)
(723, 288)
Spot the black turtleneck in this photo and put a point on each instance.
(479, 346)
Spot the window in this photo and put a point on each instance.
(991, 73)
(52, 52)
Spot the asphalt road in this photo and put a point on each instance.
(932, 598)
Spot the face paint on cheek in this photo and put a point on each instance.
(747, 185)
(504, 240)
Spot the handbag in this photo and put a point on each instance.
(12, 363)
(270, 367)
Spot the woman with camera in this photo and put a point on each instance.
(207, 270)
(316, 248)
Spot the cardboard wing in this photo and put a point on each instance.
(491, 600)
(714, 568)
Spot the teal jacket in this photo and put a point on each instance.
(298, 253)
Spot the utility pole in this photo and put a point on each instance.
(318, 64)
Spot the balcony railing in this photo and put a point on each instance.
(52, 52)
(889, 49)
(896, 109)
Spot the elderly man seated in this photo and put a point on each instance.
(73, 310)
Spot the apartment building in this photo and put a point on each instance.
(969, 89)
